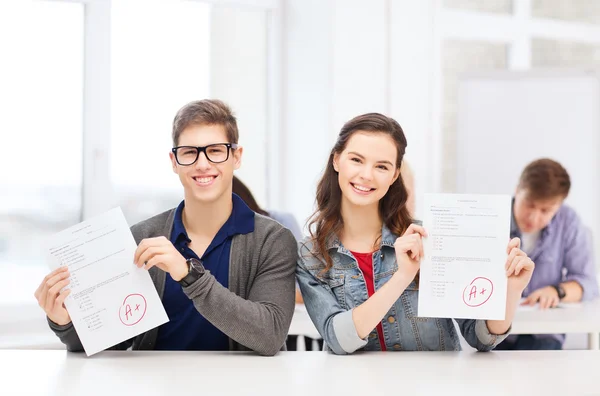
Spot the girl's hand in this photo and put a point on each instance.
(519, 267)
(409, 250)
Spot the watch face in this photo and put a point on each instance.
(192, 263)
(195, 271)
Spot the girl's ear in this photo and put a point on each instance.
(396, 174)
(336, 158)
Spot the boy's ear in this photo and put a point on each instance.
(173, 162)
(237, 157)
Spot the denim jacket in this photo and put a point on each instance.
(330, 297)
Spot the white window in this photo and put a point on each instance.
(41, 75)
(88, 93)
(182, 51)
(157, 67)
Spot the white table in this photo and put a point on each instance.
(59, 373)
(572, 318)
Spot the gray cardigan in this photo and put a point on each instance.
(255, 312)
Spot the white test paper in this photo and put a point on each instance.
(111, 299)
(463, 273)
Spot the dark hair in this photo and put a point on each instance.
(545, 179)
(243, 192)
(205, 112)
(326, 221)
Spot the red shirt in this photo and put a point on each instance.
(365, 263)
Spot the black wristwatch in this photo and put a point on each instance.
(195, 272)
(560, 291)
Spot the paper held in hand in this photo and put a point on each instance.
(111, 299)
(463, 273)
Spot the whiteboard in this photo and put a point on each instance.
(507, 119)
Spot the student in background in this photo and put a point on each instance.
(285, 219)
(358, 271)
(225, 275)
(553, 236)
(289, 221)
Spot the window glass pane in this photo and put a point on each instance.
(554, 53)
(41, 75)
(587, 11)
(156, 68)
(496, 6)
(459, 57)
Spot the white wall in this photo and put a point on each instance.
(413, 67)
(239, 77)
(307, 101)
(360, 59)
(348, 57)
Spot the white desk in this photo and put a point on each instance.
(576, 318)
(59, 373)
(573, 318)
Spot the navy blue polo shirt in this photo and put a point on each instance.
(187, 329)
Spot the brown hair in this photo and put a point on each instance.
(408, 177)
(545, 179)
(327, 221)
(244, 193)
(205, 112)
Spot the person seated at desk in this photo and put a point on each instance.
(553, 236)
(225, 275)
(358, 271)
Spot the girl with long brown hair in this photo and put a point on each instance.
(358, 271)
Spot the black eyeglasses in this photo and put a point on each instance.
(215, 153)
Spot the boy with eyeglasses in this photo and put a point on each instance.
(225, 274)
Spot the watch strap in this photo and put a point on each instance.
(560, 290)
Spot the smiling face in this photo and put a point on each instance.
(366, 168)
(205, 181)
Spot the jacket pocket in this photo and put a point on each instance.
(336, 284)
